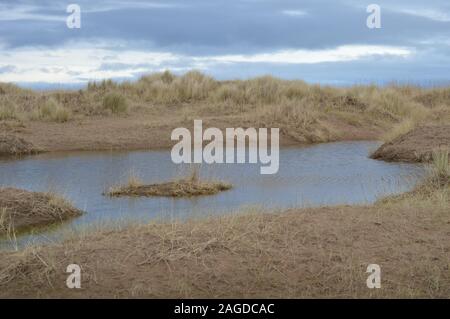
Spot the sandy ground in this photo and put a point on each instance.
(321, 252)
(415, 146)
(142, 130)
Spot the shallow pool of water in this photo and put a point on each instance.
(324, 174)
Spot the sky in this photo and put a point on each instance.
(319, 41)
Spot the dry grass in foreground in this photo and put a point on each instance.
(20, 210)
(320, 252)
(184, 187)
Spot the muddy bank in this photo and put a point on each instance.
(21, 210)
(151, 130)
(11, 145)
(415, 146)
(321, 252)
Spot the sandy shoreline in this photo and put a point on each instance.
(140, 132)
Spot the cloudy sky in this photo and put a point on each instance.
(324, 41)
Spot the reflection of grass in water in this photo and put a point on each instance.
(397, 185)
(258, 255)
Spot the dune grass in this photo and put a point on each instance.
(8, 110)
(307, 112)
(116, 103)
(399, 129)
(51, 110)
(433, 192)
(440, 168)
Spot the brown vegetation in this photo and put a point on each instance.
(184, 187)
(147, 110)
(314, 252)
(320, 252)
(13, 145)
(20, 210)
(415, 146)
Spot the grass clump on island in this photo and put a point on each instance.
(21, 210)
(183, 187)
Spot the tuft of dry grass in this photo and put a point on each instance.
(183, 187)
(52, 111)
(434, 191)
(399, 129)
(21, 210)
(8, 110)
(116, 103)
(178, 188)
(134, 181)
(440, 169)
(13, 145)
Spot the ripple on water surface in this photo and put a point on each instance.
(324, 174)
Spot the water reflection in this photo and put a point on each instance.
(325, 174)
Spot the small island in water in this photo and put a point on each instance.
(183, 187)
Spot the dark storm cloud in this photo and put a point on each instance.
(202, 28)
(211, 27)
